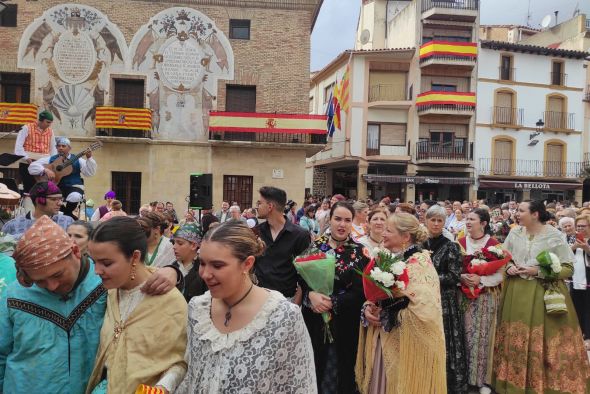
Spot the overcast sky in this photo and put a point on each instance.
(336, 25)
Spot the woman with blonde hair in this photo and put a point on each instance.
(241, 337)
(402, 344)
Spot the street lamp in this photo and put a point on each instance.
(538, 129)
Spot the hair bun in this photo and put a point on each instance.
(421, 235)
(261, 247)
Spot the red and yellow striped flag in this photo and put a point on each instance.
(446, 98)
(344, 97)
(459, 49)
(252, 122)
(123, 118)
(145, 389)
(17, 113)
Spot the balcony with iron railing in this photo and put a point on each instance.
(456, 10)
(280, 138)
(530, 168)
(507, 116)
(462, 55)
(456, 151)
(587, 93)
(558, 79)
(555, 120)
(387, 92)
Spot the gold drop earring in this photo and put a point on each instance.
(133, 271)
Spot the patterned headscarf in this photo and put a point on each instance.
(189, 231)
(43, 244)
(43, 190)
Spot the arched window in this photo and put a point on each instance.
(556, 116)
(503, 155)
(554, 165)
(505, 107)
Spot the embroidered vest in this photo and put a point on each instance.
(37, 141)
(74, 178)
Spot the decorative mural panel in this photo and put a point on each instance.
(72, 48)
(183, 54)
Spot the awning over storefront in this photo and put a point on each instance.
(529, 185)
(418, 180)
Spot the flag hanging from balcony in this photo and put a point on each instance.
(336, 106)
(17, 113)
(253, 122)
(330, 127)
(345, 88)
(446, 98)
(459, 49)
(123, 118)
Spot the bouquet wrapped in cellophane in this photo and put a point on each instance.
(384, 273)
(317, 270)
(482, 263)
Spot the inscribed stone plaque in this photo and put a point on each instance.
(180, 65)
(74, 57)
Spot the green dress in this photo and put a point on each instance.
(536, 352)
(7, 271)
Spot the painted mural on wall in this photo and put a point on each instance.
(183, 54)
(72, 48)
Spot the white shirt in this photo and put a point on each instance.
(20, 141)
(87, 166)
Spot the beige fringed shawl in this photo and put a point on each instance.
(153, 340)
(414, 353)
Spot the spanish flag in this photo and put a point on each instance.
(446, 98)
(253, 122)
(123, 118)
(447, 48)
(17, 113)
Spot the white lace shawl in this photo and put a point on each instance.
(272, 354)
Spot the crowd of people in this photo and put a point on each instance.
(213, 303)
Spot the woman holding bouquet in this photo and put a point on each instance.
(481, 297)
(335, 361)
(402, 346)
(538, 350)
(448, 261)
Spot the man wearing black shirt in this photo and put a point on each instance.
(284, 240)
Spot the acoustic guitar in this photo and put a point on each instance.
(62, 167)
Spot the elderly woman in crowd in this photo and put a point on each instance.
(374, 237)
(402, 346)
(448, 261)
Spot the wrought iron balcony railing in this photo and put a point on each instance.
(531, 168)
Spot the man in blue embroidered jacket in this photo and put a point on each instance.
(50, 319)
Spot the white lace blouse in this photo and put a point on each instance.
(272, 354)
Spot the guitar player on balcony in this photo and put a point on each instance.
(70, 180)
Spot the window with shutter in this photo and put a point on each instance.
(555, 117)
(240, 99)
(554, 160)
(14, 88)
(129, 93)
(373, 145)
(502, 161)
(504, 110)
(393, 134)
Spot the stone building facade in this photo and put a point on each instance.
(180, 60)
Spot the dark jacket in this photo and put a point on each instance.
(193, 284)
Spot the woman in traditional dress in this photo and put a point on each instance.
(241, 337)
(159, 248)
(480, 316)
(335, 361)
(448, 261)
(374, 237)
(143, 338)
(537, 352)
(402, 348)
